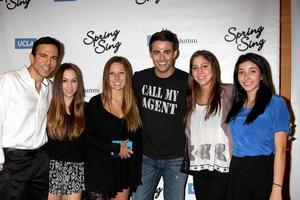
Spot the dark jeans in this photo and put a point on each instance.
(25, 175)
(174, 180)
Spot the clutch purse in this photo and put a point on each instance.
(128, 145)
(185, 165)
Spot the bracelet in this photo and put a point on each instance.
(277, 185)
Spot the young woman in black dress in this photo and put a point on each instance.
(113, 160)
(66, 122)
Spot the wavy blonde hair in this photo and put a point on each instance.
(129, 106)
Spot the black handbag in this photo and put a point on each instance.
(185, 165)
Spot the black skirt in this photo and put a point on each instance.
(250, 178)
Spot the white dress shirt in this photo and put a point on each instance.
(23, 111)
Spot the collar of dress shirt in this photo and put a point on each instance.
(25, 73)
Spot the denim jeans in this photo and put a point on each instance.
(173, 180)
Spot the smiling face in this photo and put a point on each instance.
(117, 76)
(44, 62)
(202, 71)
(249, 77)
(69, 84)
(163, 57)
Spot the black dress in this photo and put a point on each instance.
(104, 173)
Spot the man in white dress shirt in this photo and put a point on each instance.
(24, 100)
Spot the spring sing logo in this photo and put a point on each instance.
(246, 39)
(103, 42)
(12, 4)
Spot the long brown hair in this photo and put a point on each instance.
(214, 100)
(58, 127)
(129, 106)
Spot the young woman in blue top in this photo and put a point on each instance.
(259, 124)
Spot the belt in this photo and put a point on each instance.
(24, 152)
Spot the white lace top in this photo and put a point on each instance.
(208, 144)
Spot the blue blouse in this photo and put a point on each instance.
(257, 138)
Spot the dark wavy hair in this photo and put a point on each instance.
(263, 94)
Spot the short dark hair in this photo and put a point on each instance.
(46, 40)
(164, 35)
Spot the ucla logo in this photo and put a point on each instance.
(24, 43)
(191, 188)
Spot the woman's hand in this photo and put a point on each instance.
(124, 151)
